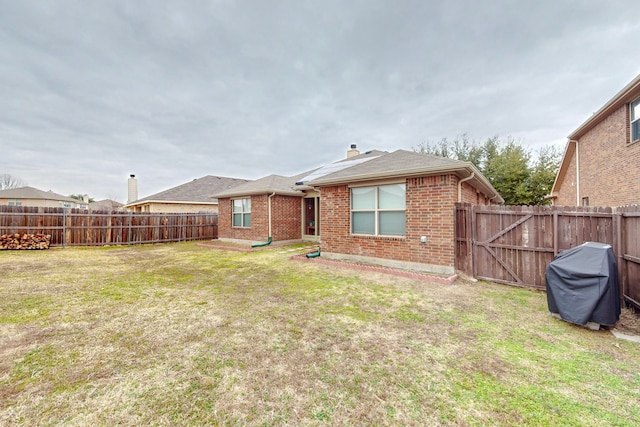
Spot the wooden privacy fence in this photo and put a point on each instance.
(514, 244)
(75, 227)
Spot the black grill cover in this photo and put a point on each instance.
(582, 285)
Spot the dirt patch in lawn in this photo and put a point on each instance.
(629, 323)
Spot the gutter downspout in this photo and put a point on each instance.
(473, 174)
(270, 239)
(269, 208)
(577, 171)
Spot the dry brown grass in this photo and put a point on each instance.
(184, 335)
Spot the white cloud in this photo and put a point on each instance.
(173, 91)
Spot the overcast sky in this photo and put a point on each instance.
(93, 91)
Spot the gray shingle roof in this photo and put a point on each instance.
(105, 204)
(399, 163)
(402, 164)
(369, 166)
(34, 193)
(199, 190)
(282, 185)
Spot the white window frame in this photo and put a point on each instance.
(241, 213)
(15, 202)
(634, 120)
(377, 210)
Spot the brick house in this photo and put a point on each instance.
(389, 208)
(602, 156)
(190, 197)
(33, 197)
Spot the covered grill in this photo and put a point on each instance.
(582, 285)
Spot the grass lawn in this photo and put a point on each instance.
(180, 334)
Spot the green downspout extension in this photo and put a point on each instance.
(313, 254)
(268, 242)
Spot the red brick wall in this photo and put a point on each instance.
(473, 196)
(608, 165)
(286, 219)
(567, 189)
(430, 212)
(258, 229)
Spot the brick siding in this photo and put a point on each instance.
(608, 165)
(430, 204)
(286, 220)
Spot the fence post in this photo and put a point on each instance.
(618, 246)
(129, 228)
(555, 232)
(64, 227)
(474, 237)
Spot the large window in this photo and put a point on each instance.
(635, 120)
(242, 212)
(378, 211)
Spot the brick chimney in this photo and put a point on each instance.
(133, 189)
(352, 151)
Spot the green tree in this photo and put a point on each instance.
(520, 177)
(461, 148)
(543, 174)
(507, 168)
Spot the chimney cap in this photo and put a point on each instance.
(353, 146)
(132, 176)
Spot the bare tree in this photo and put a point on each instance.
(8, 181)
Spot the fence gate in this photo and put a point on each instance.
(514, 244)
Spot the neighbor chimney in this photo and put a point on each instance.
(133, 189)
(352, 151)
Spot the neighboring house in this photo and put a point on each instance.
(106, 205)
(602, 157)
(29, 196)
(377, 206)
(191, 197)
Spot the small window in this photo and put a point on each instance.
(635, 120)
(585, 201)
(378, 210)
(15, 202)
(242, 213)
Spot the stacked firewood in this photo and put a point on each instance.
(25, 241)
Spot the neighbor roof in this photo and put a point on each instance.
(105, 204)
(197, 191)
(34, 193)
